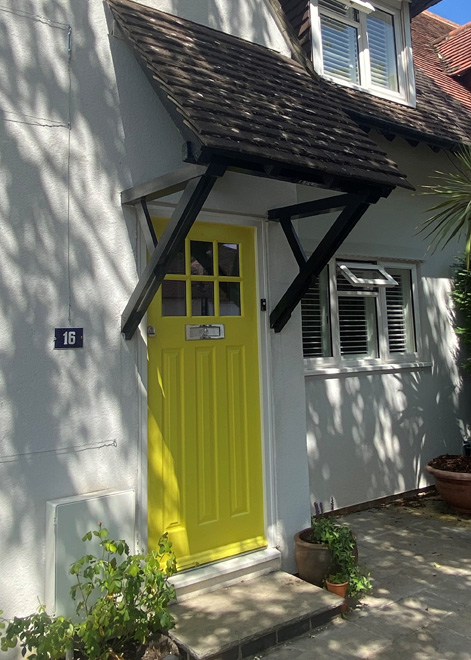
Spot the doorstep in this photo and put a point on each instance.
(243, 619)
(223, 573)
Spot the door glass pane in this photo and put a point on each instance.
(173, 298)
(202, 298)
(201, 258)
(229, 298)
(229, 259)
(177, 265)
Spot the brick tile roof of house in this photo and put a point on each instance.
(441, 117)
(455, 50)
(437, 43)
(234, 98)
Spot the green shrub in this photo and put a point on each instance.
(341, 542)
(461, 294)
(121, 599)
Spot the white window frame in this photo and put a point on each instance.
(405, 70)
(385, 359)
(347, 266)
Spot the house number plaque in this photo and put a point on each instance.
(68, 338)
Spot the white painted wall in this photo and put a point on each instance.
(370, 435)
(71, 421)
(249, 19)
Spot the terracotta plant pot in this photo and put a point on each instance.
(313, 560)
(454, 487)
(340, 590)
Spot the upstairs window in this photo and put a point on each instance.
(360, 313)
(365, 45)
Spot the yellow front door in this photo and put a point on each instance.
(205, 481)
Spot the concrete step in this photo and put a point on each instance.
(241, 620)
(210, 577)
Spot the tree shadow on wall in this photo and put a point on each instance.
(371, 434)
(69, 419)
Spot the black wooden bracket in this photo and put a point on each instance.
(352, 207)
(196, 189)
(149, 225)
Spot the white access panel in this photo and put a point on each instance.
(67, 521)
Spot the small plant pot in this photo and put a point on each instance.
(340, 590)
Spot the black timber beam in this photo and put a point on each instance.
(294, 242)
(314, 207)
(356, 206)
(194, 196)
(162, 186)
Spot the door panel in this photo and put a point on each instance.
(204, 456)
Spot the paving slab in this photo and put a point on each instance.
(419, 556)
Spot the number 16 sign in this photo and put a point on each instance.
(68, 338)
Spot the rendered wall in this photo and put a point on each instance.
(370, 434)
(72, 421)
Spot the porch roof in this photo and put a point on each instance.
(257, 109)
(418, 6)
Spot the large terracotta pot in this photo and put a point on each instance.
(313, 560)
(454, 487)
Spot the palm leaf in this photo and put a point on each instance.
(452, 214)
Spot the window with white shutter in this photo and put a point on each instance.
(358, 312)
(365, 45)
(316, 322)
(340, 50)
(399, 311)
(382, 49)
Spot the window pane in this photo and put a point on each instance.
(228, 254)
(344, 285)
(202, 298)
(340, 49)
(173, 298)
(315, 319)
(399, 314)
(382, 45)
(201, 258)
(229, 298)
(357, 325)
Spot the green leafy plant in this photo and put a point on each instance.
(453, 212)
(122, 600)
(461, 294)
(341, 542)
(45, 637)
